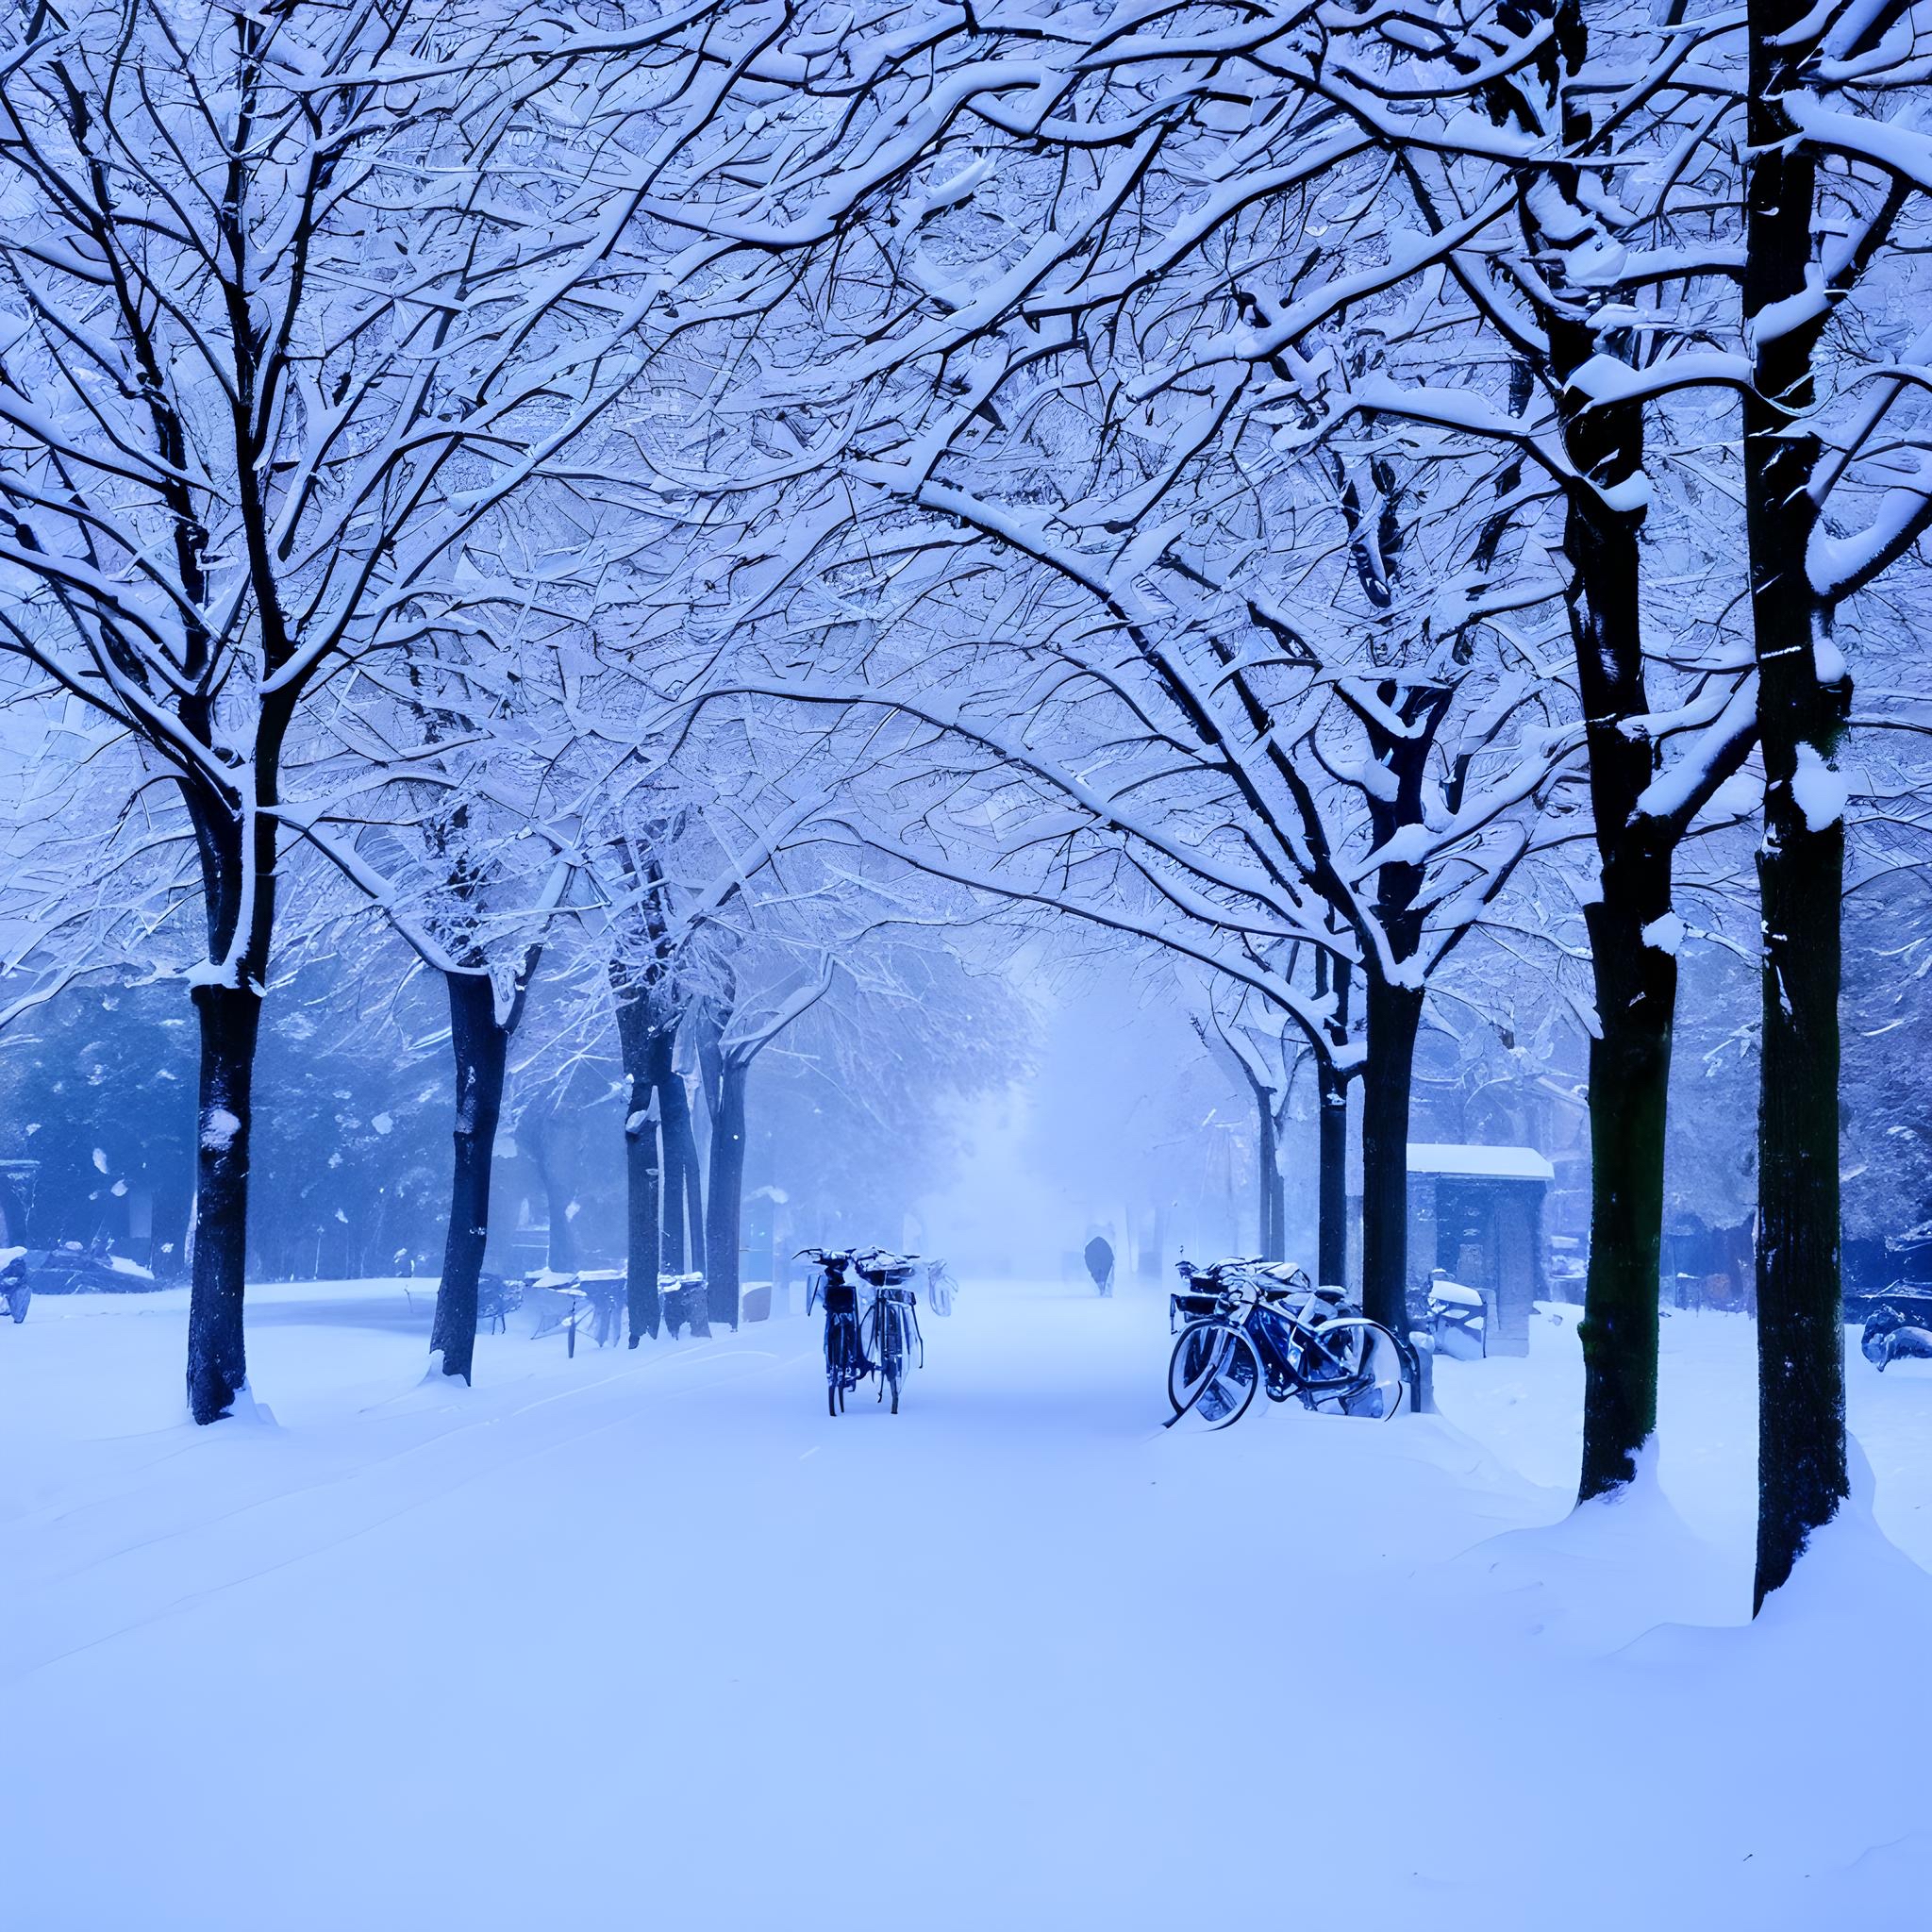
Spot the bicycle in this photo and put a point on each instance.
(891, 1323)
(846, 1362)
(880, 1342)
(1273, 1329)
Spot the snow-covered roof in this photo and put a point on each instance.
(1486, 1163)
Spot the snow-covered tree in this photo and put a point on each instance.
(1837, 488)
(297, 304)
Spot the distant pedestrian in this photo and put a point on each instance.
(1100, 1264)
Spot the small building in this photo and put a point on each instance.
(1477, 1214)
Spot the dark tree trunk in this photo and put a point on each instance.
(1334, 982)
(694, 1182)
(682, 1196)
(674, 1120)
(560, 1254)
(1392, 1012)
(1629, 1089)
(1277, 1185)
(671, 1209)
(722, 1229)
(1331, 1179)
(238, 858)
(643, 1237)
(231, 1019)
(1267, 1177)
(1635, 980)
(1801, 1370)
(1270, 1201)
(710, 1049)
(479, 1045)
(1395, 1017)
(1804, 701)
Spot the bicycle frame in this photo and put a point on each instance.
(1284, 1340)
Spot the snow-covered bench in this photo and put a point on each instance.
(1461, 1319)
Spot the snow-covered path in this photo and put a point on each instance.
(646, 1638)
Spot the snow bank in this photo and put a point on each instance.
(247, 1410)
(1853, 1584)
(1604, 1574)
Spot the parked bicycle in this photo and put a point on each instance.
(878, 1340)
(1254, 1325)
(846, 1362)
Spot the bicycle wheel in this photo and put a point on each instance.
(845, 1363)
(889, 1348)
(1354, 1366)
(1213, 1371)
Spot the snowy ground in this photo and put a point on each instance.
(645, 1640)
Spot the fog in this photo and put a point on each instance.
(1119, 1126)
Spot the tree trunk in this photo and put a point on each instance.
(1395, 1017)
(723, 1228)
(1391, 1011)
(674, 1119)
(643, 1240)
(1331, 1180)
(1801, 1378)
(480, 1047)
(1267, 1230)
(230, 1019)
(1629, 1090)
(1635, 981)
(1804, 701)
(1268, 1192)
(1332, 976)
(694, 1182)
(682, 1196)
(1278, 1189)
(561, 1253)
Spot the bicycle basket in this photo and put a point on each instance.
(841, 1298)
(939, 1287)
